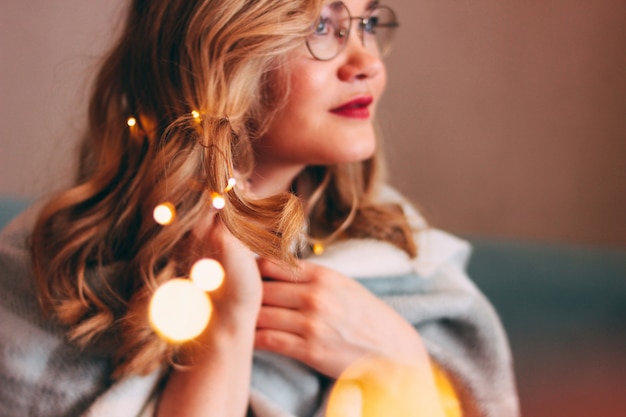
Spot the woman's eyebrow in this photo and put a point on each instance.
(372, 4)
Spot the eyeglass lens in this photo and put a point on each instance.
(331, 31)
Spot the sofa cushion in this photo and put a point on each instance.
(9, 208)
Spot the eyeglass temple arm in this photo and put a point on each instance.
(389, 25)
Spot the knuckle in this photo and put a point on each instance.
(312, 329)
(313, 354)
(313, 300)
(266, 339)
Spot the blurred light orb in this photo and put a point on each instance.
(179, 310)
(374, 387)
(218, 201)
(231, 183)
(318, 248)
(164, 213)
(207, 274)
(131, 121)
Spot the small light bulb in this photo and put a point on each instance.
(164, 213)
(131, 121)
(218, 201)
(318, 248)
(207, 274)
(179, 310)
(231, 183)
(195, 114)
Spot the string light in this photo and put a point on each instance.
(218, 200)
(179, 310)
(164, 213)
(207, 274)
(231, 183)
(196, 115)
(318, 248)
(131, 121)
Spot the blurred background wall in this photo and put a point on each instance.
(48, 53)
(508, 118)
(502, 118)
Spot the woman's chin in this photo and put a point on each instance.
(359, 151)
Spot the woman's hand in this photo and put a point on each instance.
(217, 377)
(242, 288)
(329, 321)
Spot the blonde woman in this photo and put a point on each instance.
(280, 95)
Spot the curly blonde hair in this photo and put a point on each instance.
(98, 255)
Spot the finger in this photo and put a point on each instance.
(281, 271)
(242, 286)
(283, 294)
(283, 343)
(285, 320)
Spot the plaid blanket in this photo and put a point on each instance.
(42, 375)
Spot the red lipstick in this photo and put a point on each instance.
(357, 108)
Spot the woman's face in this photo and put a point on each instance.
(327, 116)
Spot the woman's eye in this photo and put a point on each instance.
(323, 27)
(370, 25)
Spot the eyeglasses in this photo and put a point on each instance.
(331, 32)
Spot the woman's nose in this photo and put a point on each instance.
(360, 61)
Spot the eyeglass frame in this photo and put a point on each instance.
(362, 24)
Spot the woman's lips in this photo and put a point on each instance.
(357, 108)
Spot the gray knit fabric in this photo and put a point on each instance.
(42, 375)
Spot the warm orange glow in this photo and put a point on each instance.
(374, 387)
(218, 200)
(131, 121)
(207, 274)
(231, 183)
(179, 310)
(164, 213)
(318, 248)
(196, 115)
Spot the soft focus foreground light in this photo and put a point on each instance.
(218, 201)
(164, 213)
(374, 387)
(196, 115)
(179, 310)
(207, 274)
(131, 121)
(346, 400)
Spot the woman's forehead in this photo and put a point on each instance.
(354, 6)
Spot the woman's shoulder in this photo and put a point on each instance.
(390, 195)
(436, 248)
(368, 257)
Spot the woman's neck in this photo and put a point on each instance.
(269, 181)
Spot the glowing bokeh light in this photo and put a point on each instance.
(131, 121)
(374, 387)
(207, 274)
(218, 200)
(164, 213)
(179, 310)
(318, 248)
(231, 183)
(196, 115)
